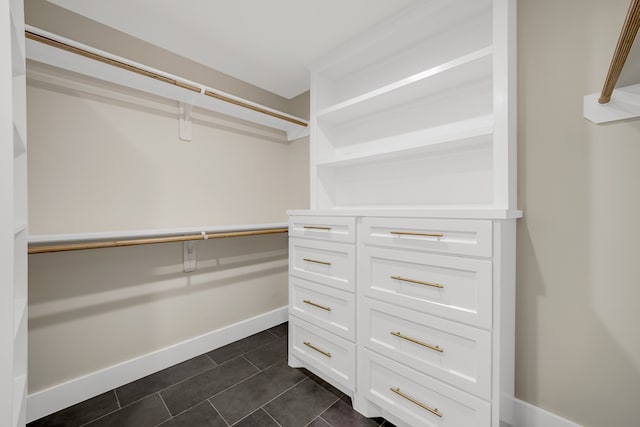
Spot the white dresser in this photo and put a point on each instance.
(402, 273)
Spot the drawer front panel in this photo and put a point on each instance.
(332, 264)
(335, 229)
(460, 237)
(457, 354)
(325, 307)
(329, 354)
(412, 396)
(452, 287)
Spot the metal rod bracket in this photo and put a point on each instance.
(189, 256)
(186, 133)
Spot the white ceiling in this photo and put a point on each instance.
(268, 43)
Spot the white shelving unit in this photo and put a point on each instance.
(194, 95)
(412, 222)
(13, 218)
(403, 107)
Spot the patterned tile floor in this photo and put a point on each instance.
(246, 383)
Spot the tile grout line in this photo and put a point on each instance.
(100, 417)
(211, 358)
(327, 408)
(209, 397)
(115, 393)
(263, 407)
(248, 351)
(249, 361)
(218, 412)
(165, 407)
(270, 416)
(169, 386)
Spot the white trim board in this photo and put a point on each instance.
(63, 395)
(528, 415)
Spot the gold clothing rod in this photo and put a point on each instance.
(625, 41)
(149, 241)
(165, 79)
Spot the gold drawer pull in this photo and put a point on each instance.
(411, 233)
(308, 344)
(316, 261)
(419, 282)
(316, 227)
(434, 411)
(306, 301)
(413, 340)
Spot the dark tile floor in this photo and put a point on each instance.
(246, 383)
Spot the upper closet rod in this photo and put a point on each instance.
(627, 36)
(120, 64)
(149, 241)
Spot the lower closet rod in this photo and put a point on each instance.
(149, 241)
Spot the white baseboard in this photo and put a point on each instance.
(528, 415)
(63, 395)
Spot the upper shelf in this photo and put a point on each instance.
(459, 71)
(60, 52)
(452, 136)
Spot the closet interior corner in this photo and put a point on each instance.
(168, 217)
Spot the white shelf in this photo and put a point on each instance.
(20, 189)
(133, 234)
(19, 227)
(453, 211)
(20, 313)
(20, 107)
(17, 53)
(454, 136)
(44, 53)
(458, 72)
(19, 146)
(431, 33)
(624, 105)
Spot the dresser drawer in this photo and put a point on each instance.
(332, 264)
(335, 229)
(417, 399)
(460, 237)
(332, 357)
(329, 308)
(453, 287)
(457, 354)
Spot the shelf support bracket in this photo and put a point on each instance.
(185, 122)
(189, 256)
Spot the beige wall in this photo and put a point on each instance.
(578, 270)
(102, 158)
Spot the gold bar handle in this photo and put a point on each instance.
(316, 227)
(316, 261)
(419, 282)
(308, 344)
(413, 340)
(415, 233)
(434, 411)
(306, 301)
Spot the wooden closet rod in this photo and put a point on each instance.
(625, 41)
(165, 79)
(149, 241)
